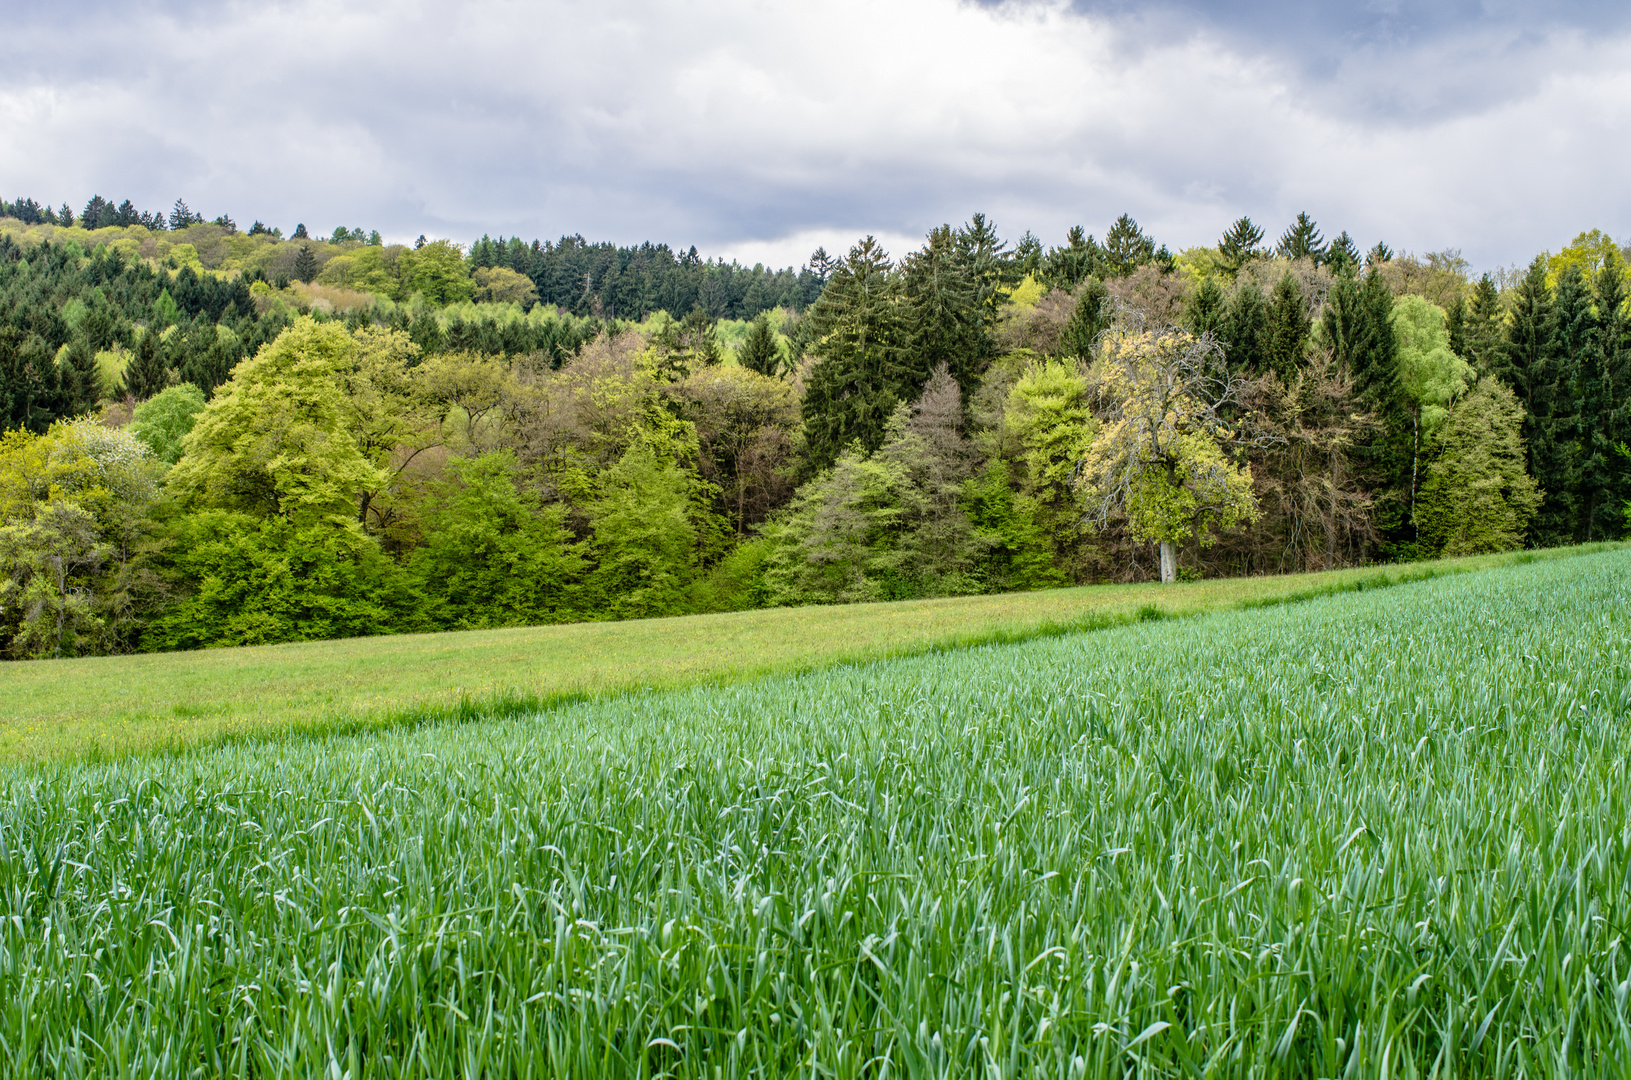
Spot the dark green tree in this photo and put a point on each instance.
(1245, 331)
(30, 387)
(305, 264)
(1090, 318)
(759, 351)
(1341, 320)
(1482, 332)
(1388, 455)
(149, 370)
(1555, 455)
(1343, 254)
(1068, 266)
(1207, 309)
(1289, 323)
(1303, 240)
(856, 332)
(1599, 466)
(81, 382)
(1615, 316)
(1240, 245)
(1126, 248)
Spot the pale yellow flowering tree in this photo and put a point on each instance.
(1161, 453)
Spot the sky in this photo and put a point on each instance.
(758, 130)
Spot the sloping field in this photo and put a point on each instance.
(1375, 834)
(54, 707)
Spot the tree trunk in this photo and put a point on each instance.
(1169, 562)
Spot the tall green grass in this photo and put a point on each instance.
(1375, 834)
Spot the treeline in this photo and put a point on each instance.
(976, 416)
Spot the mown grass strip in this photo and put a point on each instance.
(111, 706)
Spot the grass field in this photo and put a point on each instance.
(1375, 834)
(116, 704)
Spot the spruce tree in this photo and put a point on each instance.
(1303, 240)
(1126, 248)
(1556, 452)
(148, 371)
(1343, 254)
(1387, 455)
(1598, 464)
(1482, 332)
(1340, 320)
(1088, 320)
(1286, 337)
(81, 382)
(1614, 311)
(1240, 244)
(1206, 309)
(759, 352)
(1245, 332)
(305, 264)
(856, 332)
(945, 318)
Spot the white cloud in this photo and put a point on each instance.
(758, 130)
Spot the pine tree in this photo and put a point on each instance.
(80, 379)
(1555, 454)
(305, 264)
(1088, 320)
(1245, 331)
(300, 233)
(1482, 332)
(1615, 315)
(1303, 240)
(1598, 463)
(759, 352)
(857, 380)
(1286, 337)
(1341, 318)
(1067, 267)
(1343, 254)
(1206, 310)
(30, 387)
(1240, 245)
(1389, 453)
(148, 371)
(1126, 248)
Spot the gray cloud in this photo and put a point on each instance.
(760, 130)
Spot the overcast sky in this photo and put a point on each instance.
(758, 129)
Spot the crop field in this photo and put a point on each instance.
(1382, 833)
(119, 704)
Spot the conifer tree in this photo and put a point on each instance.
(857, 380)
(1598, 463)
(759, 352)
(148, 371)
(1287, 328)
(1088, 320)
(1615, 316)
(305, 264)
(1482, 331)
(1556, 452)
(1245, 331)
(1206, 310)
(1126, 248)
(1340, 319)
(1240, 245)
(1388, 454)
(81, 382)
(1303, 240)
(1343, 254)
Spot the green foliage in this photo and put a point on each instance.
(1029, 807)
(1285, 336)
(493, 554)
(1240, 244)
(275, 441)
(258, 581)
(436, 271)
(148, 372)
(1302, 240)
(1430, 373)
(163, 421)
(1088, 319)
(1477, 496)
(759, 351)
(649, 527)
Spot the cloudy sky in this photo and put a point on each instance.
(759, 129)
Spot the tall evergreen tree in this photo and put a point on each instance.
(1556, 452)
(759, 352)
(1388, 454)
(1340, 320)
(81, 382)
(305, 264)
(1303, 240)
(30, 387)
(1240, 244)
(1126, 248)
(1088, 320)
(1598, 463)
(1614, 312)
(857, 380)
(1343, 254)
(1289, 322)
(944, 317)
(148, 371)
(1206, 309)
(1068, 266)
(1522, 359)
(1245, 332)
(1482, 331)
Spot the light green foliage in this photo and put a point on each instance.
(163, 420)
(1293, 842)
(275, 440)
(644, 538)
(501, 285)
(1477, 496)
(1432, 375)
(493, 553)
(1047, 418)
(1590, 251)
(367, 269)
(437, 272)
(259, 581)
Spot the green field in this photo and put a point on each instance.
(1380, 833)
(54, 708)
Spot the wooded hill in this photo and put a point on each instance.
(294, 438)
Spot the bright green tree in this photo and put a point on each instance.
(1477, 495)
(163, 421)
(437, 271)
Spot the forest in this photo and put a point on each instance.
(216, 436)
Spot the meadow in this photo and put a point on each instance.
(1377, 833)
(120, 704)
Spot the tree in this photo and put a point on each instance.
(1303, 240)
(1343, 253)
(42, 566)
(80, 379)
(1556, 453)
(1159, 455)
(1388, 455)
(501, 285)
(493, 553)
(1285, 339)
(1090, 318)
(1240, 245)
(759, 352)
(436, 270)
(148, 372)
(1431, 377)
(1522, 360)
(1597, 465)
(1244, 333)
(645, 540)
(1482, 329)
(1068, 266)
(1126, 248)
(744, 422)
(163, 421)
(301, 234)
(275, 441)
(305, 264)
(858, 378)
(181, 216)
(1477, 496)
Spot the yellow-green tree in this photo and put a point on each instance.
(1161, 452)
